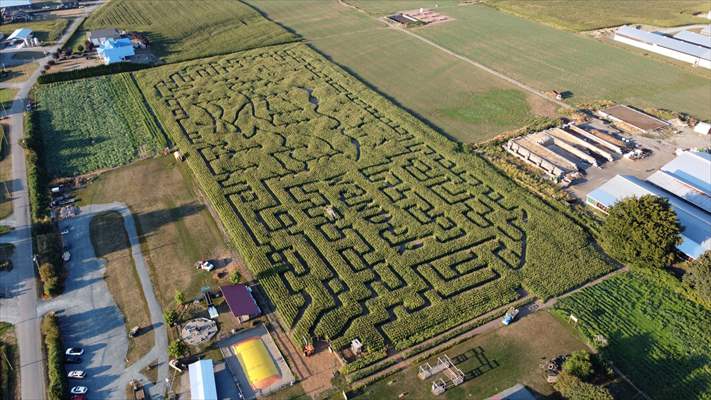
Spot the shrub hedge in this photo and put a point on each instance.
(91, 72)
(57, 382)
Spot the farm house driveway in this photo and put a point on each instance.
(91, 319)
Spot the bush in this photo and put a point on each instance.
(579, 365)
(177, 349)
(37, 179)
(170, 317)
(642, 232)
(235, 277)
(572, 388)
(57, 384)
(179, 297)
(90, 72)
(698, 277)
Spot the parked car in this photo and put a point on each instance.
(72, 360)
(74, 351)
(76, 374)
(205, 265)
(79, 390)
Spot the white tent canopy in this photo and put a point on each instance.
(202, 381)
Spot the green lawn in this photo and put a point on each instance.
(547, 58)
(657, 337)
(437, 87)
(491, 362)
(95, 123)
(186, 29)
(49, 30)
(593, 14)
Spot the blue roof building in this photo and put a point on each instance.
(23, 35)
(688, 177)
(115, 50)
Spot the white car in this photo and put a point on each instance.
(79, 390)
(76, 374)
(206, 266)
(74, 351)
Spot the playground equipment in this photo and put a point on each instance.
(510, 316)
(444, 364)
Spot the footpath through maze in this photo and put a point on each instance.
(357, 219)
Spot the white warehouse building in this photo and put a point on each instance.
(676, 48)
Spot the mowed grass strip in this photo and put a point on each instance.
(420, 78)
(657, 337)
(550, 59)
(95, 123)
(188, 29)
(595, 14)
(110, 241)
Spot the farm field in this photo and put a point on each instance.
(658, 338)
(358, 220)
(175, 229)
(185, 29)
(595, 14)
(96, 123)
(436, 86)
(546, 59)
(491, 362)
(48, 30)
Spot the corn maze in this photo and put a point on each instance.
(359, 221)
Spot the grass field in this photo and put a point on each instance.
(5, 175)
(49, 30)
(186, 29)
(491, 362)
(658, 338)
(95, 123)
(17, 73)
(6, 98)
(175, 229)
(357, 219)
(546, 58)
(436, 86)
(595, 14)
(110, 241)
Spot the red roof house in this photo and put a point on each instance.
(241, 302)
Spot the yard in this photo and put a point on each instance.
(17, 73)
(550, 59)
(110, 241)
(357, 219)
(93, 124)
(491, 362)
(185, 29)
(175, 228)
(437, 87)
(657, 337)
(48, 30)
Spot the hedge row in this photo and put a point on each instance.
(37, 178)
(91, 72)
(57, 384)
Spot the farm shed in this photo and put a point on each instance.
(241, 302)
(703, 128)
(202, 380)
(98, 37)
(696, 223)
(664, 45)
(21, 35)
(688, 176)
(515, 392)
(114, 51)
(694, 38)
(632, 119)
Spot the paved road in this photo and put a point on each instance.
(20, 283)
(91, 319)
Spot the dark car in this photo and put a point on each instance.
(72, 360)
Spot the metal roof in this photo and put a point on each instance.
(239, 299)
(202, 380)
(693, 168)
(664, 41)
(694, 38)
(22, 34)
(516, 392)
(696, 223)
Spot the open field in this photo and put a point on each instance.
(6, 97)
(95, 123)
(491, 362)
(174, 227)
(595, 14)
(110, 241)
(547, 58)
(5, 175)
(390, 6)
(9, 363)
(658, 338)
(436, 86)
(186, 29)
(17, 73)
(48, 30)
(357, 219)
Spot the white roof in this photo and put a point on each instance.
(202, 381)
(22, 34)
(664, 41)
(696, 223)
(702, 128)
(694, 38)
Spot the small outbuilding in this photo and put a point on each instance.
(241, 302)
(21, 36)
(98, 37)
(202, 380)
(703, 128)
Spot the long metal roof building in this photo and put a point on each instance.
(656, 39)
(694, 38)
(202, 380)
(688, 177)
(696, 223)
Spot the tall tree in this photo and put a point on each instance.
(642, 231)
(698, 276)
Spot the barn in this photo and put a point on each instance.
(668, 46)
